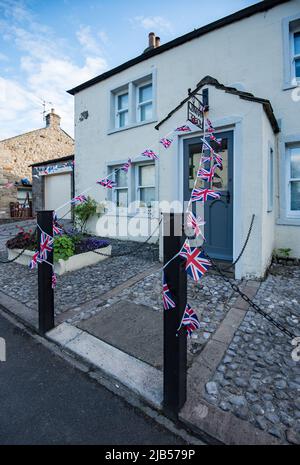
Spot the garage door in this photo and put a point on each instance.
(58, 190)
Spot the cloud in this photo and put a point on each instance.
(46, 70)
(87, 40)
(155, 23)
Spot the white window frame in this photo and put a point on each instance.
(294, 56)
(271, 178)
(139, 187)
(146, 102)
(116, 189)
(123, 110)
(132, 88)
(290, 26)
(289, 180)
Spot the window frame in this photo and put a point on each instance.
(290, 26)
(289, 180)
(121, 188)
(139, 104)
(123, 110)
(140, 187)
(131, 87)
(271, 179)
(294, 56)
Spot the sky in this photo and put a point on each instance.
(50, 46)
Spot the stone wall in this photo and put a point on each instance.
(17, 153)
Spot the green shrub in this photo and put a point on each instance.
(64, 248)
(83, 213)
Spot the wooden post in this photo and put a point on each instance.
(175, 344)
(45, 291)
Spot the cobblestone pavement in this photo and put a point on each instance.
(73, 289)
(258, 380)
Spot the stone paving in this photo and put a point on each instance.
(258, 380)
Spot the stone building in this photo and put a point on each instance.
(19, 152)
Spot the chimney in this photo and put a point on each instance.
(154, 42)
(151, 40)
(52, 120)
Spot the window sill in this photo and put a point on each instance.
(288, 86)
(131, 126)
(288, 221)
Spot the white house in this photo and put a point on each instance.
(250, 64)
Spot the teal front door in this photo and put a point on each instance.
(218, 214)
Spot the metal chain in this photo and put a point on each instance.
(243, 248)
(236, 289)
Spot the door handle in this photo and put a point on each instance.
(228, 197)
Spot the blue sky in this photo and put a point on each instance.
(48, 46)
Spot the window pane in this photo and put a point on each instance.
(147, 175)
(297, 68)
(123, 119)
(147, 196)
(122, 198)
(146, 112)
(295, 163)
(122, 101)
(121, 178)
(297, 43)
(295, 195)
(145, 93)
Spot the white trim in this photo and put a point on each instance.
(131, 87)
(288, 30)
(271, 179)
(284, 218)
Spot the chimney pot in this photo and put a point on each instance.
(151, 40)
(157, 42)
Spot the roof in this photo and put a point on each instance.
(54, 160)
(208, 80)
(227, 20)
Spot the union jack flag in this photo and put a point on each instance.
(196, 264)
(168, 302)
(108, 183)
(218, 160)
(209, 126)
(195, 223)
(184, 128)
(53, 281)
(202, 195)
(150, 154)
(190, 320)
(79, 199)
(207, 146)
(215, 139)
(57, 231)
(35, 260)
(207, 175)
(127, 165)
(166, 142)
(46, 245)
(205, 159)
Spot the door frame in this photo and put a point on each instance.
(226, 134)
(229, 123)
